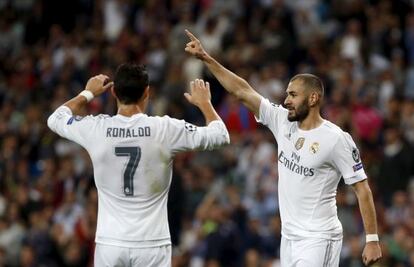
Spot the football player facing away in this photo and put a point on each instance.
(132, 156)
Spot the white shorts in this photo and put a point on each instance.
(113, 256)
(310, 253)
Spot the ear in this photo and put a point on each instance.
(113, 92)
(146, 92)
(313, 99)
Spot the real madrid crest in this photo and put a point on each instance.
(299, 143)
(314, 148)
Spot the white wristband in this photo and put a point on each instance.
(371, 238)
(87, 94)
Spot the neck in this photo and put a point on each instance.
(312, 121)
(130, 110)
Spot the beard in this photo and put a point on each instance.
(300, 113)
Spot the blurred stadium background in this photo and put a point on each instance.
(223, 205)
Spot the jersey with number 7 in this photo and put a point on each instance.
(132, 162)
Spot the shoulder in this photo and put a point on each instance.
(87, 118)
(332, 128)
(268, 104)
(165, 121)
(337, 135)
(95, 117)
(272, 114)
(100, 118)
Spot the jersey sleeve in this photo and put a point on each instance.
(347, 159)
(271, 115)
(74, 128)
(181, 135)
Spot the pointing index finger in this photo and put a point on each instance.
(190, 35)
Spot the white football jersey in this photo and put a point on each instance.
(311, 164)
(132, 162)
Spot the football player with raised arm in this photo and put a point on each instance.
(313, 155)
(132, 156)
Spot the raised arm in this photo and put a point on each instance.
(183, 136)
(372, 250)
(233, 84)
(62, 120)
(94, 87)
(200, 96)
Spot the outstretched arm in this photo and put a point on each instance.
(230, 81)
(372, 250)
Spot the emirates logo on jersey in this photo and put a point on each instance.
(293, 165)
(299, 143)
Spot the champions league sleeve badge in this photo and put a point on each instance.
(190, 127)
(355, 155)
(357, 158)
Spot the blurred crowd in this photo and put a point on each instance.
(223, 207)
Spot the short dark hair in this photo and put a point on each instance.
(310, 82)
(130, 82)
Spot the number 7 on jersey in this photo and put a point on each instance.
(134, 154)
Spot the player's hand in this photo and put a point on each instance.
(372, 253)
(98, 84)
(194, 47)
(199, 93)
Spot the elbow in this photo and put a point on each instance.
(51, 122)
(365, 195)
(219, 136)
(362, 188)
(242, 88)
(224, 134)
(226, 138)
(222, 139)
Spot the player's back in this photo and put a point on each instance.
(132, 161)
(132, 168)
